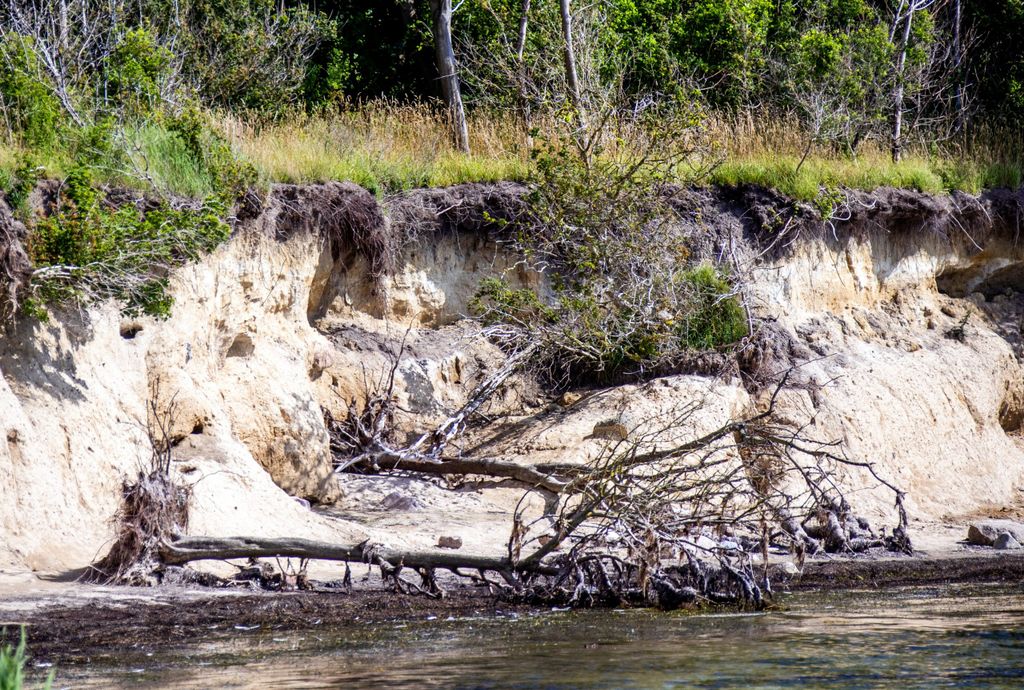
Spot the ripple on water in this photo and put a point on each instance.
(953, 637)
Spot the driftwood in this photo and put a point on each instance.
(487, 467)
(654, 519)
(189, 549)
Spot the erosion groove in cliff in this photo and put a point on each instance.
(305, 306)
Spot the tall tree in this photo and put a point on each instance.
(448, 70)
(905, 15)
(571, 77)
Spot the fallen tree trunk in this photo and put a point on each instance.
(189, 549)
(487, 467)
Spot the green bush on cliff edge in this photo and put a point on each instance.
(87, 251)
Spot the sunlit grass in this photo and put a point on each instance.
(387, 147)
(769, 153)
(382, 147)
(159, 157)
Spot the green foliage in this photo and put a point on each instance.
(86, 251)
(726, 40)
(136, 71)
(716, 318)
(31, 110)
(12, 666)
(22, 181)
(495, 301)
(229, 175)
(625, 299)
(249, 54)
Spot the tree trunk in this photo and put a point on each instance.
(448, 71)
(897, 105)
(470, 466)
(523, 22)
(524, 97)
(571, 77)
(958, 89)
(189, 549)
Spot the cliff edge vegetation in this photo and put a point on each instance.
(197, 99)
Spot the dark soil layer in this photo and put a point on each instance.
(981, 566)
(77, 632)
(171, 619)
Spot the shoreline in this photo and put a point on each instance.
(75, 622)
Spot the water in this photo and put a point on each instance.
(948, 637)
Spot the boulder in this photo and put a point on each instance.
(1006, 541)
(985, 532)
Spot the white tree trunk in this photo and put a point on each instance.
(571, 76)
(448, 71)
(897, 105)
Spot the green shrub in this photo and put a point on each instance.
(32, 112)
(136, 71)
(88, 252)
(229, 175)
(22, 181)
(626, 299)
(715, 317)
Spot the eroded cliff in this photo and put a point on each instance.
(902, 317)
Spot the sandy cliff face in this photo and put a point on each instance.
(918, 371)
(303, 306)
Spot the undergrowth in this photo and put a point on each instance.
(627, 300)
(87, 251)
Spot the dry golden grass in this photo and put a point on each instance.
(381, 146)
(386, 146)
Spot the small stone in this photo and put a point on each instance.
(613, 431)
(568, 399)
(789, 568)
(449, 542)
(397, 501)
(1006, 541)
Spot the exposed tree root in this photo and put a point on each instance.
(154, 510)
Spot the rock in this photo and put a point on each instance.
(568, 399)
(788, 568)
(985, 532)
(449, 542)
(705, 543)
(400, 502)
(1005, 541)
(612, 431)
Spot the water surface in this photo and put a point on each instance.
(935, 637)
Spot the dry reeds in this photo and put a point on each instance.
(382, 146)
